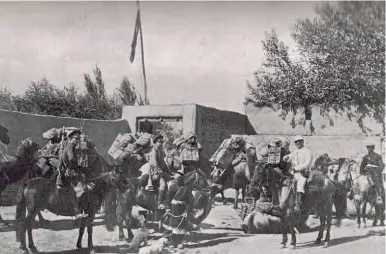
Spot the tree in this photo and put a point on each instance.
(343, 64)
(6, 100)
(128, 93)
(283, 84)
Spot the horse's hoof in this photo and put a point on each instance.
(325, 245)
(293, 247)
(224, 202)
(79, 246)
(318, 241)
(382, 224)
(235, 207)
(283, 245)
(359, 225)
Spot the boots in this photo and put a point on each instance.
(299, 202)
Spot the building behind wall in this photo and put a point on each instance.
(210, 125)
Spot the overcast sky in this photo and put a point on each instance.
(195, 52)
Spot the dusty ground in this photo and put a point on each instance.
(220, 233)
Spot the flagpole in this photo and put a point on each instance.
(143, 60)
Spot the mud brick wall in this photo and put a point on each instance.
(213, 126)
(22, 125)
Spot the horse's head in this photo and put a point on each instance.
(323, 163)
(27, 150)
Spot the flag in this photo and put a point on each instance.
(135, 36)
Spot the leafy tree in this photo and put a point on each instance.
(6, 101)
(283, 84)
(128, 93)
(342, 66)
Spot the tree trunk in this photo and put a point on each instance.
(308, 124)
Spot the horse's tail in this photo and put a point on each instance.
(21, 209)
(110, 210)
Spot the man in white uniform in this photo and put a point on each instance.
(301, 160)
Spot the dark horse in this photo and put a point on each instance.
(42, 193)
(135, 194)
(321, 193)
(22, 167)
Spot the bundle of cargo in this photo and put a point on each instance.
(144, 139)
(120, 143)
(224, 155)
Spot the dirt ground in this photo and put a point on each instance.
(219, 233)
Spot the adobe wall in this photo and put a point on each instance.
(335, 146)
(213, 126)
(22, 125)
(266, 121)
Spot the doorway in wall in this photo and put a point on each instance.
(169, 127)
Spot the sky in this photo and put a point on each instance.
(195, 52)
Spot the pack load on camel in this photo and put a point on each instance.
(270, 157)
(223, 162)
(129, 151)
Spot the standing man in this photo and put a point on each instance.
(301, 161)
(372, 166)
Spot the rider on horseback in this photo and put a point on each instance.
(69, 167)
(275, 166)
(158, 169)
(372, 166)
(189, 150)
(301, 160)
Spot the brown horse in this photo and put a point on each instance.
(361, 191)
(42, 193)
(237, 177)
(320, 193)
(22, 167)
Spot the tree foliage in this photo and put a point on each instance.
(128, 93)
(342, 66)
(41, 97)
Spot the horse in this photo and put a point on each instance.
(135, 194)
(235, 177)
(320, 193)
(42, 193)
(362, 192)
(21, 167)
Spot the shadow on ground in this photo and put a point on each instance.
(335, 241)
(199, 240)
